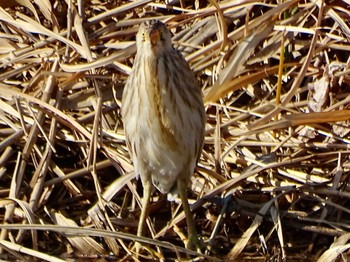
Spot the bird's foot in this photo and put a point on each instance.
(143, 251)
(192, 242)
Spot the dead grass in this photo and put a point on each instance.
(273, 179)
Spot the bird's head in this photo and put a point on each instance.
(153, 35)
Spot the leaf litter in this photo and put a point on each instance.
(272, 181)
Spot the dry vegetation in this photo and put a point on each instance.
(273, 179)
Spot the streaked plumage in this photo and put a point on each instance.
(163, 115)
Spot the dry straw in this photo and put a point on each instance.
(272, 182)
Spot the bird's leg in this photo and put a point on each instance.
(193, 241)
(147, 191)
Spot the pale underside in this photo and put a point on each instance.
(164, 130)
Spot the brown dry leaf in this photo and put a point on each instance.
(29, 25)
(86, 245)
(338, 247)
(319, 94)
(26, 3)
(243, 241)
(218, 91)
(46, 9)
(24, 250)
(341, 129)
(303, 119)
(243, 51)
(7, 46)
(78, 26)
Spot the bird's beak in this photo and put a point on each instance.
(154, 36)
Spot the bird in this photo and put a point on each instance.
(164, 120)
